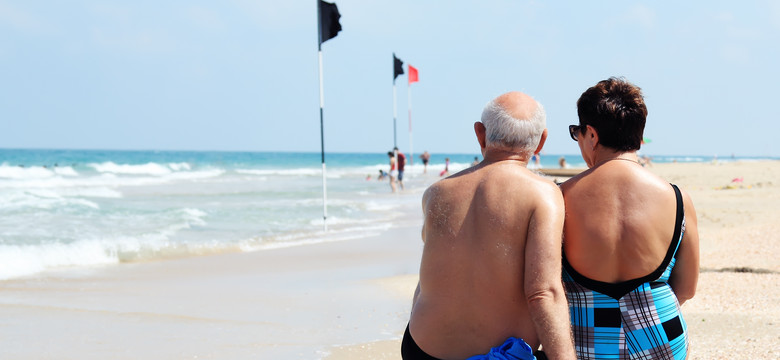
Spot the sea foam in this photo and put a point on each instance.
(23, 260)
(24, 173)
(144, 169)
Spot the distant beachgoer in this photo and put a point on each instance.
(475, 162)
(382, 175)
(446, 167)
(537, 158)
(490, 272)
(645, 160)
(562, 163)
(393, 171)
(401, 165)
(631, 244)
(425, 158)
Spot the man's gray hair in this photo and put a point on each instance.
(503, 130)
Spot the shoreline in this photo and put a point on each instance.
(287, 302)
(292, 302)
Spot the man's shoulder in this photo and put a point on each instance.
(523, 174)
(532, 188)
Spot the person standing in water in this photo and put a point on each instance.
(425, 158)
(393, 173)
(446, 170)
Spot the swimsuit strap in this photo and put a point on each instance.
(679, 223)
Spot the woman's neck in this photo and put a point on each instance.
(606, 156)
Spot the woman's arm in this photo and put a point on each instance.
(685, 274)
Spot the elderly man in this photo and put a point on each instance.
(491, 263)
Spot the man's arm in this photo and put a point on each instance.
(416, 293)
(425, 200)
(543, 287)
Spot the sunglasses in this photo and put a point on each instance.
(574, 131)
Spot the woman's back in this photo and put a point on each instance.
(623, 230)
(629, 261)
(619, 221)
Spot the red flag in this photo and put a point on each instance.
(412, 74)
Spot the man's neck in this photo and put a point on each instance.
(494, 155)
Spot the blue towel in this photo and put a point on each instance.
(512, 349)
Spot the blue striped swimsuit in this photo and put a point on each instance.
(633, 319)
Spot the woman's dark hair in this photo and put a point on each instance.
(616, 109)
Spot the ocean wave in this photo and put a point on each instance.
(65, 171)
(34, 172)
(179, 166)
(375, 206)
(165, 240)
(144, 169)
(307, 238)
(150, 168)
(91, 192)
(282, 172)
(339, 172)
(106, 180)
(23, 260)
(41, 199)
(193, 216)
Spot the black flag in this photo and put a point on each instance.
(398, 67)
(329, 21)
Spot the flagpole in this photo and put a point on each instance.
(322, 122)
(411, 148)
(395, 142)
(395, 115)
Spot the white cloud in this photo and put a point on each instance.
(641, 15)
(276, 15)
(204, 18)
(20, 20)
(142, 41)
(773, 8)
(734, 53)
(739, 39)
(124, 28)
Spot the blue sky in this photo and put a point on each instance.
(242, 75)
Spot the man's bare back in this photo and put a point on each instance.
(491, 263)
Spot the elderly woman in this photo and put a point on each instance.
(631, 246)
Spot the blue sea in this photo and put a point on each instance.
(84, 208)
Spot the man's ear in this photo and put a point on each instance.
(541, 142)
(479, 129)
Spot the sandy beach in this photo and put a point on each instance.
(351, 299)
(736, 311)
